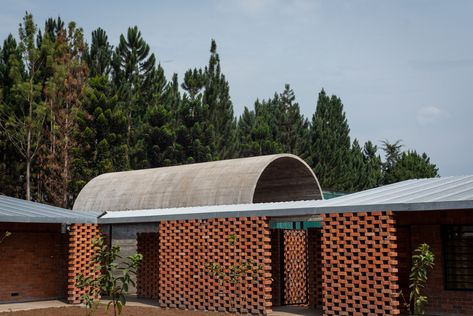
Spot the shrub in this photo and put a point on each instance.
(107, 277)
(422, 261)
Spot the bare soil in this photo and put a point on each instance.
(127, 311)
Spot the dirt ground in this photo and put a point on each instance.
(127, 311)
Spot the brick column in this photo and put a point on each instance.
(359, 264)
(80, 253)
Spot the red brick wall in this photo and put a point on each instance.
(315, 266)
(80, 253)
(359, 264)
(33, 262)
(148, 271)
(425, 227)
(185, 247)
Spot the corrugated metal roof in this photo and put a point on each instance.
(445, 193)
(21, 211)
(433, 190)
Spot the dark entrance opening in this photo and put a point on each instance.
(296, 263)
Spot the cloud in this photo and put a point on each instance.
(429, 115)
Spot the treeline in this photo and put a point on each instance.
(71, 110)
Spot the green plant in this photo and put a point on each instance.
(107, 277)
(422, 260)
(5, 235)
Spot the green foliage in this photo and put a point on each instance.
(330, 143)
(5, 235)
(422, 261)
(70, 111)
(400, 166)
(108, 277)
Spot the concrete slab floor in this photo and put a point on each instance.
(13, 307)
(293, 310)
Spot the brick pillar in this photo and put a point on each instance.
(360, 266)
(148, 271)
(80, 253)
(185, 247)
(314, 250)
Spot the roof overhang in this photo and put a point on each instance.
(13, 210)
(294, 211)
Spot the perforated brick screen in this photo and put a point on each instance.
(359, 264)
(80, 253)
(185, 247)
(295, 267)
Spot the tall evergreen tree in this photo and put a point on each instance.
(100, 136)
(292, 131)
(24, 128)
(99, 58)
(65, 92)
(330, 143)
(217, 97)
(11, 162)
(401, 165)
(136, 79)
(373, 167)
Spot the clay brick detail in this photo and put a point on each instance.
(360, 266)
(295, 267)
(426, 227)
(80, 253)
(314, 248)
(186, 245)
(33, 262)
(148, 271)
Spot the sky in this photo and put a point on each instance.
(403, 69)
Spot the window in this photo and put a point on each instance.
(458, 250)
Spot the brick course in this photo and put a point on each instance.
(185, 247)
(33, 262)
(426, 227)
(80, 254)
(359, 264)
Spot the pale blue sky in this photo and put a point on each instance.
(402, 68)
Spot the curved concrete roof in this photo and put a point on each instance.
(272, 178)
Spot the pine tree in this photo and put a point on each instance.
(411, 165)
(99, 57)
(373, 167)
(217, 97)
(292, 132)
(24, 128)
(330, 143)
(64, 93)
(136, 80)
(392, 152)
(11, 166)
(101, 134)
